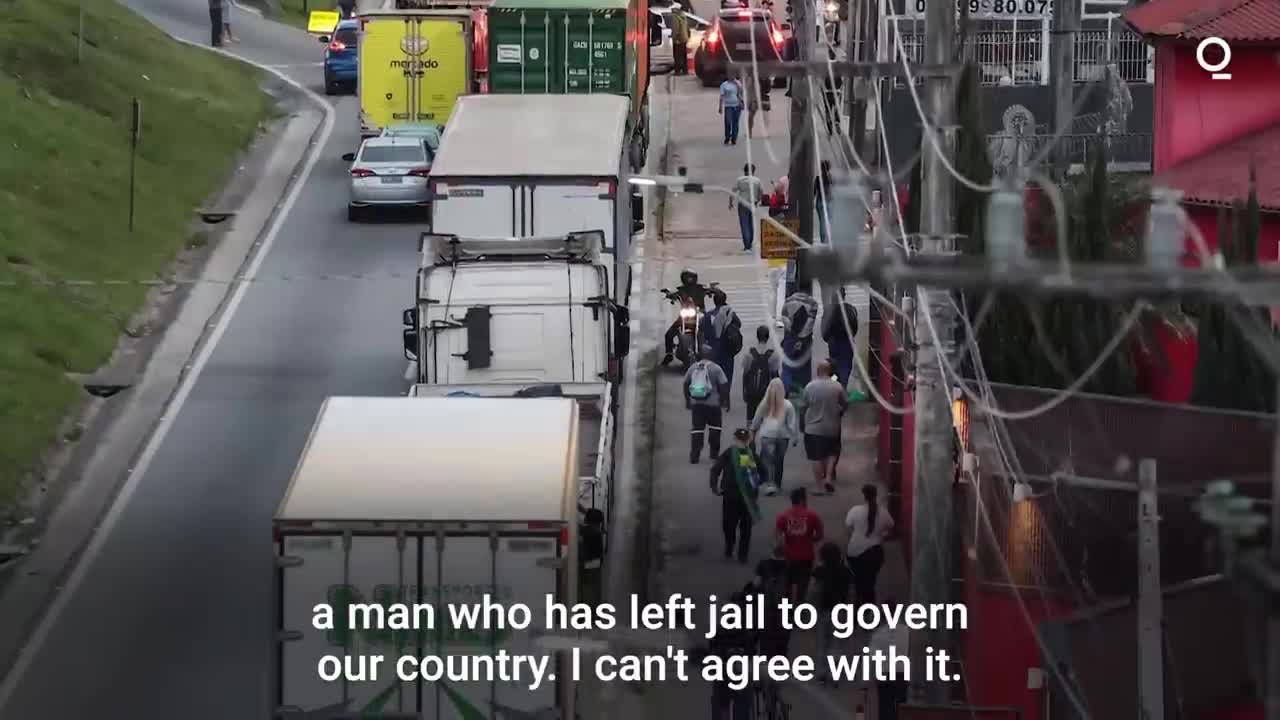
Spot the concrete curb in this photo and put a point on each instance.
(79, 524)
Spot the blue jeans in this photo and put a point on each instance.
(732, 115)
(772, 452)
(747, 224)
(796, 375)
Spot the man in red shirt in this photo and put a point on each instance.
(799, 532)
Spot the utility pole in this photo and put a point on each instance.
(1150, 600)
(1066, 25)
(801, 174)
(1272, 660)
(932, 536)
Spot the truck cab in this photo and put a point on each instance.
(527, 310)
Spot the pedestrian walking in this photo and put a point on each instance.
(869, 525)
(752, 92)
(839, 328)
(825, 401)
(775, 426)
(762, 366)
(799, 316)
(748, 194)
(730, 106)
(706, 395)
(891, 639)
(679, 40)
(799, 531)
(831, 582)
(735, 477)
(215, 22)
(226, 22)
(723, 331)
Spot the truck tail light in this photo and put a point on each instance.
(713, 37)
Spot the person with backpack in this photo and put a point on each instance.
(706, 395)
(840, 339)
(831, 581)
(723, 329)
(735, 477)
(775, 425)
(799, 315)
(763, 365)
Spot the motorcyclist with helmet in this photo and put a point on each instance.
(689, 290)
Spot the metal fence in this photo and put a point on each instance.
(1009, 151)
(1016, 52)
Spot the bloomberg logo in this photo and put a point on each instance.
(1215, 70)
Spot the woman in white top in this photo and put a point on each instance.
(774, 426)
(869, 524)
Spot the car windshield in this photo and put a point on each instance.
(392, 153)
(347, 36)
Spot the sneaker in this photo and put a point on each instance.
(831, 489)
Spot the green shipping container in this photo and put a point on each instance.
(574, 46)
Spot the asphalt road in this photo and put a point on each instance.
(171, 618)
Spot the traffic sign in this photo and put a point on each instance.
(322, 22)
(774, 245)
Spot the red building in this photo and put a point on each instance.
(1208, 132)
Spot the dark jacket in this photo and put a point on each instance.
(724, 481)
(696, 293)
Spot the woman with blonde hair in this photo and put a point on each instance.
(774, 426)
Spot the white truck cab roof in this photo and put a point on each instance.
(462, 459)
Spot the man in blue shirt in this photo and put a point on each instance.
(731, 109)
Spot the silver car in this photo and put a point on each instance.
(389, 172)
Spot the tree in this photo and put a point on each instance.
(1229, 373)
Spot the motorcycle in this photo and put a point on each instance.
(689, 335)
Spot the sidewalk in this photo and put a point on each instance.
(701, 233)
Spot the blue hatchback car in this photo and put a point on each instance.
(340, 56)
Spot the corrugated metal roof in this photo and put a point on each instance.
(1238, 20)
(1221, 174)
(546, 135)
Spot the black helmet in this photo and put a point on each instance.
(688, 277)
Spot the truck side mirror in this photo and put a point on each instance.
(409, 318)
(411, 344)
(479, 354)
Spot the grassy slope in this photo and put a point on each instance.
(64, 179)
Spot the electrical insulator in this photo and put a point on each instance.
(1006, 224)
(1165, 231)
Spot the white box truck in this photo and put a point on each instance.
(535, 310)
(425, 501)
(537, 166)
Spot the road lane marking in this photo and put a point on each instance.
(41, 633)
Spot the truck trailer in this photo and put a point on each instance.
(524, 166)
(425, 501)
(413, 66)
(575, 47)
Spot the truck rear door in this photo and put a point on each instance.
(327, 569)
(557, 208)
(477, 210)
(515, 567)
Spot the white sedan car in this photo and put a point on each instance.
(389, 171)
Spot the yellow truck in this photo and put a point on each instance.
(413, 65)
